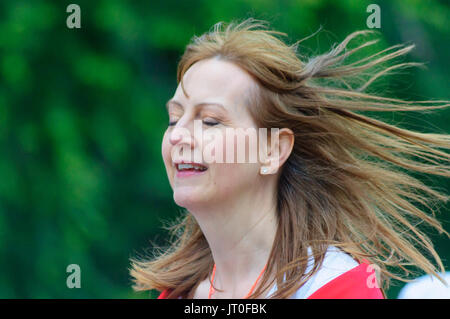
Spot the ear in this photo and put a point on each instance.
(281, 145)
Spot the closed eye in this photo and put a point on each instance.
(209, 123)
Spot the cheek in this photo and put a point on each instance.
(220, 147)
(242, 148)
(166, 151)
(235, 178)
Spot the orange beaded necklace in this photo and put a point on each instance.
(212, 290)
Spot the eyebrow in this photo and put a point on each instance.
(196, 105)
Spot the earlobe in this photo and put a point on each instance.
(280, 149)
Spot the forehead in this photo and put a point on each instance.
(215, 80)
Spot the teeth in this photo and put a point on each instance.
(190, 166)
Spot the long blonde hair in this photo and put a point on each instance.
(345, 182)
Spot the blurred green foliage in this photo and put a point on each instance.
(82, 118)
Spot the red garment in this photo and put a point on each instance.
(164, 294)
(357, 283)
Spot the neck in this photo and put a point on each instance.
(240, 235)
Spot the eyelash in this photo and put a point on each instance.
(206, 123)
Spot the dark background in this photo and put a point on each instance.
(82, 118)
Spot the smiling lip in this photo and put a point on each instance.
(188, 173)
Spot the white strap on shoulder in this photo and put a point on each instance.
(335, 263)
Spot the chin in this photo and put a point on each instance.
(188, 200)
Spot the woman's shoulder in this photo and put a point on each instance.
(340, 276)
(356, 283)
(335, 264)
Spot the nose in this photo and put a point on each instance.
(182, 135)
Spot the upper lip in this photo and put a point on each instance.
(175, 163)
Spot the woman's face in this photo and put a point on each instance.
(217, 93)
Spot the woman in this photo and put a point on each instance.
(325, 211)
